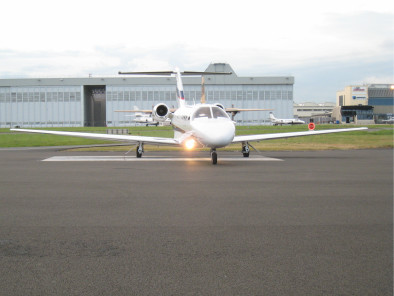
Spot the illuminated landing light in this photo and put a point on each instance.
(190, 143)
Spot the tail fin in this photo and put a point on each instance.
(179, 89)
(272, 117)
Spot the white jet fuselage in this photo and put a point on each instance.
(209, 125)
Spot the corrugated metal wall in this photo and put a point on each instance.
(53, 106)
(41, 106)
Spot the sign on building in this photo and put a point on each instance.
(359, 92)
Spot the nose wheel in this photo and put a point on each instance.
(214, 156)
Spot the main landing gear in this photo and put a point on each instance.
(245, 149)
(140, 150)
(214, 156)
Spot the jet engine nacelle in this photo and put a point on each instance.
(160, 112)
(219, 105)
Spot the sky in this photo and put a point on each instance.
(324, 45)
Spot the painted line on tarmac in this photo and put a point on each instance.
(155, 158)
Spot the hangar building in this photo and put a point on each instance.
(56, 102)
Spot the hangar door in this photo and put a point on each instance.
(95, 105)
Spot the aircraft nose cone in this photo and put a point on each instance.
(216, 134)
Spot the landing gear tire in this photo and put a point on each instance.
(214, 157)
(245, 149)
(139, 151)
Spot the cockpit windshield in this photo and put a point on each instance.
(209, 112)
(218, 113)
(202, 112)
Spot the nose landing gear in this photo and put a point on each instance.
(214, 156)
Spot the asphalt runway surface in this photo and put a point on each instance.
(313, 223)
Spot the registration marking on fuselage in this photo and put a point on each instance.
(155, 158)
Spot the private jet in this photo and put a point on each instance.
(279, 121)
(143, 117)
(198, 125)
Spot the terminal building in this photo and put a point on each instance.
(365, 104)
(76, 102)
(314, 112)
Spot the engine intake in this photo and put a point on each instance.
(160, 112)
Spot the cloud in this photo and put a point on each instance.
(320, 82)
(52, 64)
(382, 79)
(324, 48)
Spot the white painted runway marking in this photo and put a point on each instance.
(155, 158)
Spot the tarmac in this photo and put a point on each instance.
(297, 223)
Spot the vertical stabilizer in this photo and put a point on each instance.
(179, 89)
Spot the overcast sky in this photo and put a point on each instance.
(324, 45)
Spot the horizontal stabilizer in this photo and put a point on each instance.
(191, 73)
(167, 73)
(160, 73)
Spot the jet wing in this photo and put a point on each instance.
(123, 138)
(262, 137)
